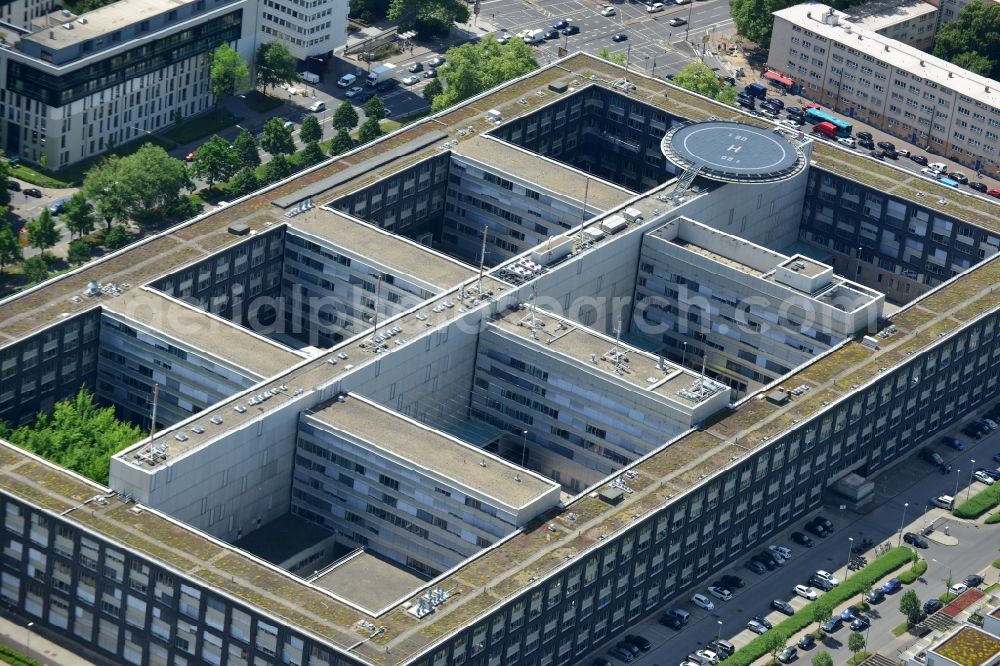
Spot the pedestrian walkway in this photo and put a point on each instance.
(16, 635)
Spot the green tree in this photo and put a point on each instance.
(753, 19)
(617, 58)
(43, 232)
(432, 90)
(909, 605)
(5, 174)
(78, 215)
(774, 642)
(727, 95)
(345, 117)
(35, 269)
(311, 154)
(229, 72)
(972, 40)
(245, 147)
(822, 659)
(374, 108)
(144, 186)
(698, 78)
(822, 610)
(369, 11)
(342, 142)
(78, 435)
(438, 15)
(277, 139)
(279, 167)
(856, 642)
(244, 182)
(369, 131)
(275, 65)
(215, 161)
(78, 252)
(310, 132)
(117, 238)
(476, 67)
(10, 250)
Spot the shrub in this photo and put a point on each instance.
(13, 657)
(853, 586)
(914, 572)
(993, 518)
(979, 503)
(996, 563)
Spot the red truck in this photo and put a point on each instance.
(829, 130)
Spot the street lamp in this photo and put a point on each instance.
(957, 473)
(524, 446)
(901, 522)
(968, 491)
(850, 551)
(28, 634)
(718, 635)
(687, 30)
(684, 354)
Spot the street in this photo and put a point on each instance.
(902, 493)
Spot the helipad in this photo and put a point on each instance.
(732, 152)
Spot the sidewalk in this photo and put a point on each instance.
(15, 635)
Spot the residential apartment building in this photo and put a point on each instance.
(888, 84)
(912, 22)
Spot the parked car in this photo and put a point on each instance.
(571, 30)
(807, 642)
(860, 623)
(638, 641)
(850, 613)
(973, 580)
(886, 145)
(13, 186)
(756, 627)
(847, 141)
(932, 606)
(802, 539)
(560, 24)
(876, 596)
(431, 74)
(958, 588)
(864, 135)
(953, 442)
(827, 576)
(992, 473)
(892, 585)
(436, 61)
(723, 648)
(552, 34)
(755, 566)
(633, 649)
(782, 606)
(720, 593)
(919, 159)
(58, 205)
(959, 177)
(979, 186)
(915, 540)
(33, 192)
(622, 653)
(701, 601)
(763, 621)
(607, 10)
(833, 624)
(668, 620)
(620, 37)
(654, 7)
(983, 477)
(707, 657)
(770, 559)
(781, 550)
(821, 583)
(732, 582)
(787, 655)
(351, 92)
(805, 592)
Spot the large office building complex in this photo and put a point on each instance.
(382, 439)
(889, 84)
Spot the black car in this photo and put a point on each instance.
(815, 528)
(602, 662)
(802, 539)
(932, 606)
(415, 67)
(876, 595)
(782, 606)
(732, 582)
(973, 580)
(773, 101)
(33, 192)
(919, 159)
(620, 37)
(794, 111)
(864, 135)
(768, 556)
(891, 154)
(552, 34)
(833, 624)
(436, 61)
(886, 145)
(807, 642)
(821, 583)
(722, 648)
(877, 154)
(13, 185)
(827, 525)
(770, 564)
(867, 144)
(915, 540)
(755, 566)
(746, 103)
(979, 186)
(431, 74)
(668, 620)
(639, 642)
(860, 623)
(570, 30)
(763, 621)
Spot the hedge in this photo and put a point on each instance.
(913, 573)
(979, 503)
(993, 518)
(852, 587)
(13, 657)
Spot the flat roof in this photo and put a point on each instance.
(369, 581)
(899, 55)
(398, 255)
(103, 21)
(544, 172)
(283, 538)
(562, 336)
(434, 451)
(969, 646)
(732, 152)
(882, 14)
(203, 331)
(714, 256)
(805, 266)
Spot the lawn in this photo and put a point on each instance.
(34, 177)
(201, 126)
(261, 103)
(900, 628)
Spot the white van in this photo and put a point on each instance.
(940, 167)
(534, 37)
(346, 81)
(309, 77)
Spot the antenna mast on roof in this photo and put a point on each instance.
(701, 382)
(378, 293)
(583, 213)
(482, 259)
(534, 294)
(152, 427)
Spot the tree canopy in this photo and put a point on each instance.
(35, 269)
(972, 41)
(79, 435)
(43, 232)
(10, 250)
(78, 215)
(4, 177)
(215, 161)
(345, 117)
(374, 108)
(432, 90)
(244, 182)
(822, 659)
(277, 139)
(279, 167)
(617, 58)
(143, 186)
(311, 154)
(369, 11)
(229, 72)
(698, 78)
(753, 18)
(909, 605)
(78, 252)
(438, 15)
(475, 67)
(118, 238)
(275, 65)
(245, 147)
(856, 642)
(342, 142)
(369, 131)
(310, 131)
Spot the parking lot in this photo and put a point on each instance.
(902, 500)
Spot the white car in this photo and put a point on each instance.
(607, 10)
(701, 601)
(756, 627)
(933, 173)
(847, 141)
(828, 577)
(781, 550)
(654, 7)
(980, 476)
(991, 424)
(940, 167)
(958, 588)
(720, 593)
(805, 592)
(707, 656)
(354, 91)
(504, 37)
(411, 80)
